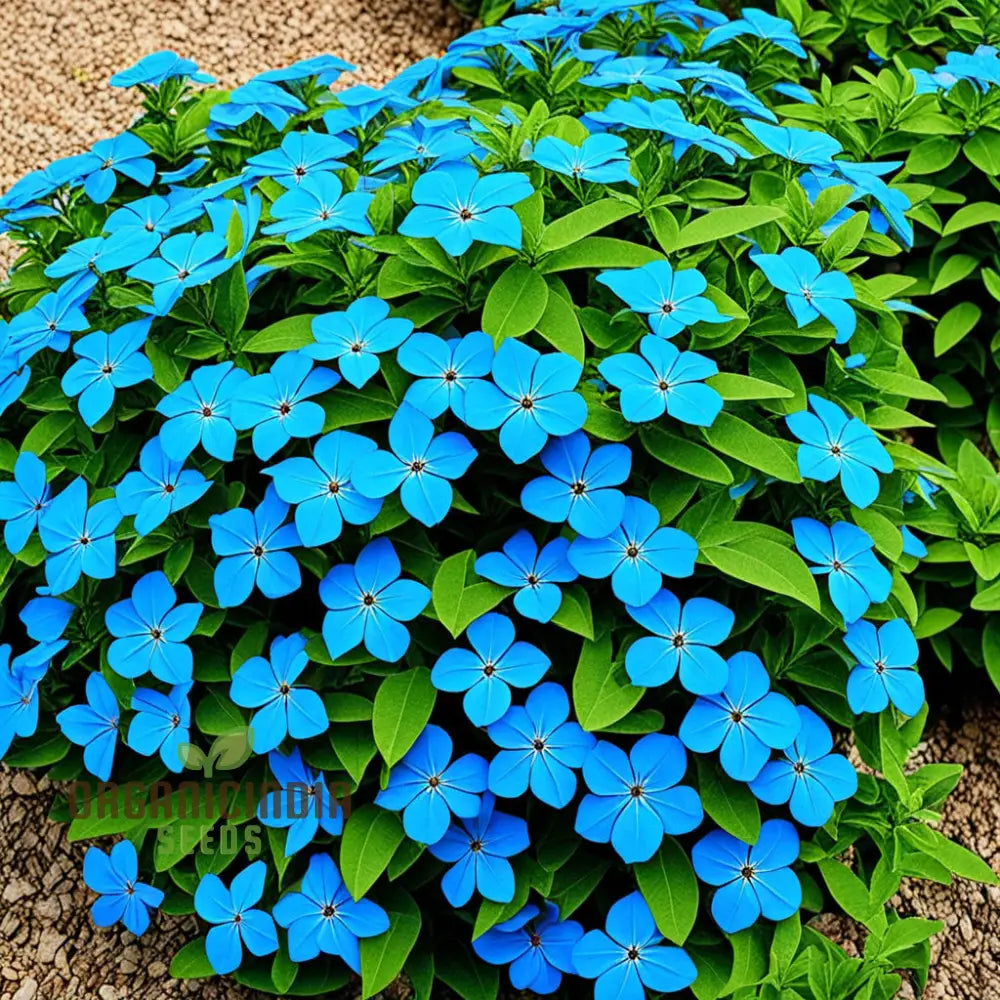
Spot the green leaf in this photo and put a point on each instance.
(574, 613)
(722, 222)
(288, 334)
(354, 746)
(191, 962)
(515, 303)
(954, 325)
(738, 439)
(46, 432)
(403, 704)
(583, 222)
(601, 695)
(731, 386)
(668, 884)
(906, 933)
(679, 453)
(470, 978)
(730, 803)
(598, 251)
(383, 957)
(850, 893)
(559, 324)
(216, 714)
(983, 151)
(457, 605)
(232, 301)
(371, 836)
(972, 215)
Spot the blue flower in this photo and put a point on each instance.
(236, 921)
(258, 97)
(79, 540)
(158, 67)
(161, 487)
(759, 24)
(300, 155)
(318, 204)
(538, 951)
(368, 601)
(108, 361)
(252, 546)
(124, 154)
(635, 798)
(151, 631)
(45, 618)
(98, 255)
(487, 674)
(580, 485)
(185, 261)
(857, 579)
(283, 709)
(446, 368)
(324, 69)
(161, 724)
(323, 919)
(23, 501)
(747, 720)
(121, 896)
(321, 487)
(19, 680)
(886, 668)
(455, 206)
(277, 403)
(478, 849)
(50, 322)
(138, 227)
(810, 778)
(94, 726)
(356, 337)
(672, 300)
(539, 749)
(636, 555)
(651, 72)
(912, 545)
(303, 805)
(420, 466)
(661, 379)
(628, 957)
(428, 787)
(811, 292)
(198, 413)
(836, 444)
(808, 146)
(536, 574)
(682, 643)
(753, 881)
(602, 158)
(532, 398)
(422, 141)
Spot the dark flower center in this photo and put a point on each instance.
(531, 579)
(450, 375)
(632, 954)
(879, 667)
(175, 721)
(85, 539)
(107, 368)
(206, 411)
(798, 767)
(357, 347)
(578, 488)
(285, 408)
(837, 565)
(107, 164)
(636, 791)
(667, 308)
(475, 846)
(37, 505)
(129, 889)
(807, 295)
(736, 715)
(747, 872)
(465, 215)
(677, 641)
(324, 215)
(576, 171)
(258, 550)
(333, 486)
(149, 227)
(328, 911)
(632, 551)
(527, 402)
(662, 385)
(534, 940)
(538, 744)
(168, 487)
(300, 171)
(421, 148)
(433, 781)
(834, 449)
(182, 274)
(284, 687)
(368, 600)
(237, 919)
(51, 325)
(418, 465)
(156, 633)
(489, 669)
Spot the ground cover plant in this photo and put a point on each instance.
(446, 526)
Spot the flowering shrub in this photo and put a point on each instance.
(504, 479)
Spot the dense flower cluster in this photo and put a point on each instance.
(564, 448)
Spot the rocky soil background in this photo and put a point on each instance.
(54, 101)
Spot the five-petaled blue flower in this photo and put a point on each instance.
(124, 154)
(122, 897)
(318, 204)
(356, 337)
(810, 778)
(811, 147)
(601, 158)
(538, 951)
(151, 631)
(277, 404)
(300, 155)
(580, 487)
(237, 922)
(94, 726)
(445, 369)
(753, 880)
(635, 798)
(268, 685)
(536, 574)
(671, 300)
(23, 501)
(253, 547)
(367, 603)
(185, 261)
(197, 412)
(456, 206)
(420, 466)
(886, 668)
(487, 674)
(478, 849)
(636, 555)
(321, 487)
(302, 806)
(628, 956)
(837, 444)
(662, 379)
(322, 918)
(421, 141)
(747, 720)
(540, 749)
(759, 24)
(161, 724)
(158, 67)
(19, 680)
(428, 787)
(531, 396)
(844, 552)
(160, 487)
(811, 292)
(682, 643)
(258, 97)
(107, 361)
(80, 540)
